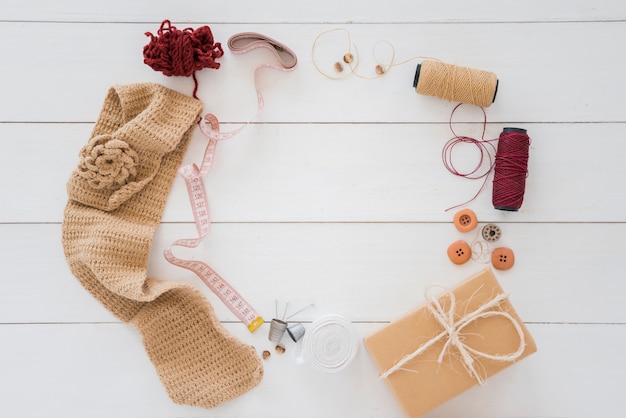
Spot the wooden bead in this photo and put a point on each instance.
(348, 58)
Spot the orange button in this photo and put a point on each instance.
(465, 220)
(459, 252)
(502, 258)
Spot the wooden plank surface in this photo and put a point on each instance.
(342, 173)
(335, 196)
(283, 11)
(101, 370)
(550, 72)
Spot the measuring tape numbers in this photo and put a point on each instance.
(193, 176)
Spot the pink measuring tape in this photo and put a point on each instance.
(192, 174)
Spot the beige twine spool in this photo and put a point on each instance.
(457, 84)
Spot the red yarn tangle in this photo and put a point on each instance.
(182, 52)
(486, 151)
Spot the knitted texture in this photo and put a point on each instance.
(116, 198)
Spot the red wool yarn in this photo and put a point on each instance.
(182, 52)
(511, 169)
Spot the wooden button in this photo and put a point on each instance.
(459, 252)
(491, 232)
(465, 220)
(502, 258)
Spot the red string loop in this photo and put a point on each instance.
(486, 152)
(182, 52)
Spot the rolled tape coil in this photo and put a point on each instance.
(331, 343)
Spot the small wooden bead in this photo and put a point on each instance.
(338, 67)
(348, 58)
(380, 70)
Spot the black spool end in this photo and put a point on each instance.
(417, 75)
(507, 208)
(514, 130)
(495, 92)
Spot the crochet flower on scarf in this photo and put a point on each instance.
(107, 163)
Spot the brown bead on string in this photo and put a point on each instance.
(456, 84)
(352, 61)
(182, 52)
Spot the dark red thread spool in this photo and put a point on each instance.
(511, 169)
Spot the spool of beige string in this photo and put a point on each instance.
(456, 84)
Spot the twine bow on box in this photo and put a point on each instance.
(453, 330)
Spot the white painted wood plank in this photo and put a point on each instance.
(567, 273)
(281, 11)
(537, 63)
(335, 197)
(346, 172)
(101, 370)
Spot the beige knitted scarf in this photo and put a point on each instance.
(116, 199)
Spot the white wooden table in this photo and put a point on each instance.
(335, 196)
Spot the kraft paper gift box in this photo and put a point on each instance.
(456, 340)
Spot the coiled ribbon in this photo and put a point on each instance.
(330, 343)
(452, 333)
(192, 174)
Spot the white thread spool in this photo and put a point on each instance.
(331, 343)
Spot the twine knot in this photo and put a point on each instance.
(107, 163)
(453, 330)
(177, 52)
